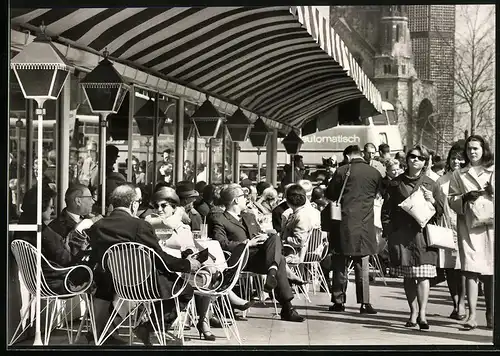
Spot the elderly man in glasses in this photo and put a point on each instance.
(79, 202)
(234, 227)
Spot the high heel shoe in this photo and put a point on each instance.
(297, 282)
(244, 306)
(207, 335)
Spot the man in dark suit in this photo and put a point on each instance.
(233, 228)
(353, 236)
(277, 215)
(122, 225)
(79, 202)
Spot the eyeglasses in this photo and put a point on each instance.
(413, 156)
(87, 196)
(162, 205)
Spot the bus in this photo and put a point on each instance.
(378, 129)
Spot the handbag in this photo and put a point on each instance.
(418, 207)
(440, 236)
(483, 210)
(335, 207)
(377, 212)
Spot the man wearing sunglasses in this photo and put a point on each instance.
(234, 227)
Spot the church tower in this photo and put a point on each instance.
(393, 59)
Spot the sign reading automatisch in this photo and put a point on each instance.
(334, 139)
(352, 139)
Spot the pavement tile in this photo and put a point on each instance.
(322, 327)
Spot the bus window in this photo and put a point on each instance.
(350, 121)
(382, 137)
(379, 119)
(393, 120)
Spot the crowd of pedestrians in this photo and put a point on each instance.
(268, 220)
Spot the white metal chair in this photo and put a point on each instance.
(25, 255)
(374, 264)
(249, 282)
(310, 258)
(219, 294)
(133, 271)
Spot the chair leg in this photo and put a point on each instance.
(379, 268)
(233, 327)
(322, 278)
(16, 336)
(90, 307)
(274, 302)
(303, 288)
(49, 323)
(181, 320)
(219, 311)
(157, 325)
(103, 336)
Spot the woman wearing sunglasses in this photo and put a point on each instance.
(408, 250)
(175, 237)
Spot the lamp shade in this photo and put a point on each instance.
(207, 120)
(40, 69)
(145, 118)
(292, 143)
(239, 126)
(259, 134)
(104, 88)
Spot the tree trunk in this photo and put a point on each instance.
(472, 119)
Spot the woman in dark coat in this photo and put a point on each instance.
(408, 249)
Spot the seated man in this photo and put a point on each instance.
(54, 249)
(79, 202)
(122, 225)
(301, 220)
(233, 228)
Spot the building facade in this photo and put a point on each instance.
(432, 31)
(383, 43)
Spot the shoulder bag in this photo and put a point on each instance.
(336, 211)
(440, 236)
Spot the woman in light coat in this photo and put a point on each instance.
(449, 259)
(476, 244)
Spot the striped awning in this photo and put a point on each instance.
(284, 63)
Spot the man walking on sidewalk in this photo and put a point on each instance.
(354, 236)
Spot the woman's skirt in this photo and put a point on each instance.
(422, 271)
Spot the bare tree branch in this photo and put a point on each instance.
(474, 75)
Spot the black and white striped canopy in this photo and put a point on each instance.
(284, 63)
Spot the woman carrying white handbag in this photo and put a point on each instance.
(471, 196)
(408, 207)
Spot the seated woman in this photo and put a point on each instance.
(54, 248)
(176, 237)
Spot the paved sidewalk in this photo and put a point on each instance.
(351, 328)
